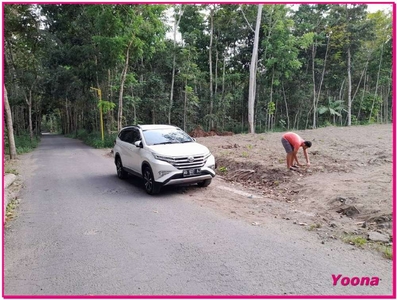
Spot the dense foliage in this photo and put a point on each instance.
(317, 65)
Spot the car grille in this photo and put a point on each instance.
(182, 163)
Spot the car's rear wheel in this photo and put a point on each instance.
(204, 183)
(151, 187)
(121, 173)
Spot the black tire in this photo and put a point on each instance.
(121, 173)
(204, 183)
(151, 187)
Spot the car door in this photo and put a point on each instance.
(125, 147)
(136, 152)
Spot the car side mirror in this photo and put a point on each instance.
(138, 144)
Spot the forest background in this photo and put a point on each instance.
(240, 68)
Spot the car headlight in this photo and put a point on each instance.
(163, 173)
(163, 158)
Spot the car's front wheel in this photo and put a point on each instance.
(121, 173)
(204, 183)
(151, 187)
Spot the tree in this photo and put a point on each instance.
(23, 52)
(10, 129)
(178, 12)
(252, 82)
(334, 108)
(349, 30)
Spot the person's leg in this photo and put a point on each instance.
(289, 160)
(289, 149)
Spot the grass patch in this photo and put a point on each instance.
(222, 170)
(358, 241)
(10, 209)
(245, 154)
(386, 250)
(225, 153)
(23, 144)
(314, 227)
(94, 139)
(11, 171)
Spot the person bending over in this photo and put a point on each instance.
(292, 142)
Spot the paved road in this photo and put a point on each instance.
(79, 230)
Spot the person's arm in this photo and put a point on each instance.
(306, 156)
(295, 157)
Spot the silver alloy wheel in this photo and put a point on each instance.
(119, 168)
(148, 180)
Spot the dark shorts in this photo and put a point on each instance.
(287, 145)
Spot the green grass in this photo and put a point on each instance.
(225, 153)
(23, 144)
(11, 171)
(94, 139)
(10, 209)
(358, 241)
(388, 252)
(245, 154)
(314, 227)
(222, 169)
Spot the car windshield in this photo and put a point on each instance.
(166, 136)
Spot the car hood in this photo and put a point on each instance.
(175, 150)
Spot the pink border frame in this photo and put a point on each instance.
(394, 114)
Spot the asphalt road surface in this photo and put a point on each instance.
(79, 230)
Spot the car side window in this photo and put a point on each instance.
(135, 136)
(129, 137)
(123, 135)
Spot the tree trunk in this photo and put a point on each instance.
(67, 117)
(10, 129)
(314, 85)
(349, 94)
(29, 102)
(317, 96)
(377, 84)
(362, 97)
(286, 107)
(223, 78)
(223, 94)
(185, 107)
(110, 111)
(176, 24)
(210, 67)
(252, 82)
(216, 73)
(389, 89)
(269, 126)
(123, 77)
(359, 82)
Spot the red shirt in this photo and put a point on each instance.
(294, 139)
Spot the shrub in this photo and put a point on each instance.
(94, 139)
(23, 144)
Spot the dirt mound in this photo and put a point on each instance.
(199, 132)
(346, 190)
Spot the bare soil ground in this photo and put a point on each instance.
(346, 192)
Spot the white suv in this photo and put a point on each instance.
(162, 155)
